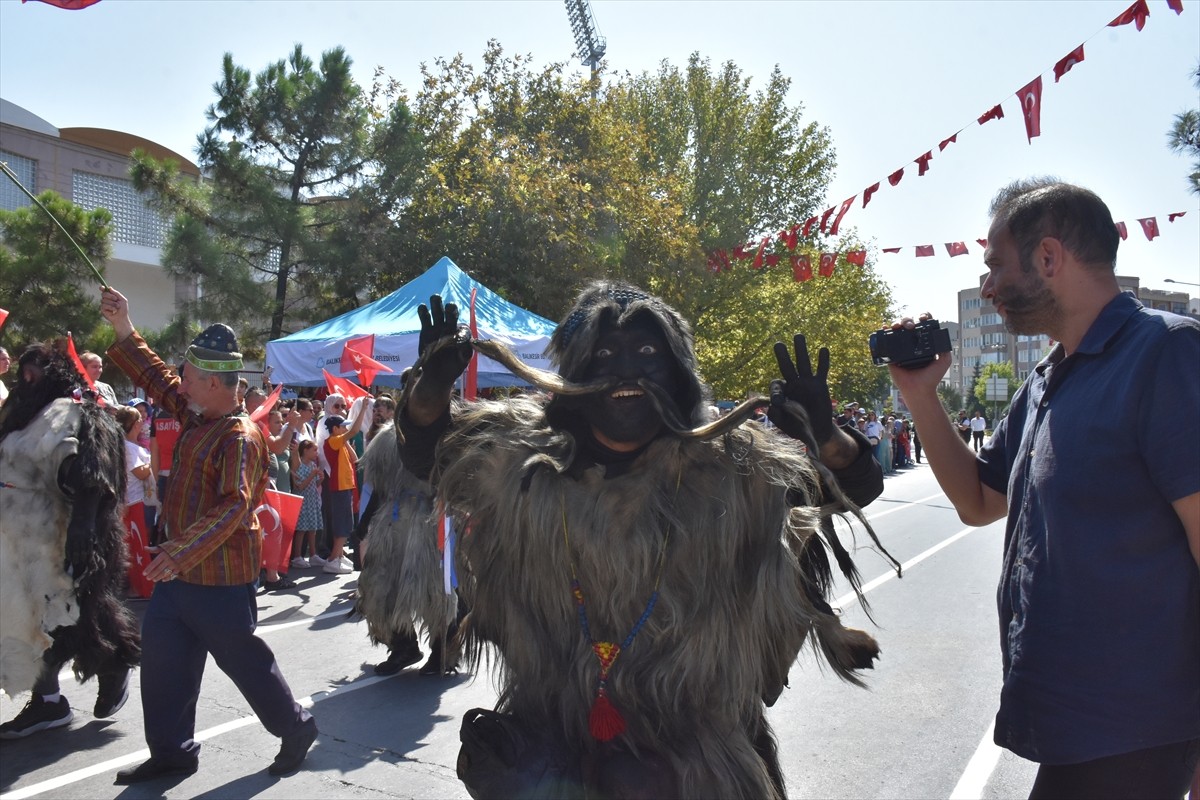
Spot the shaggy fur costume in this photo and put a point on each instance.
(401, 575)
(42, 425)
(739, 587)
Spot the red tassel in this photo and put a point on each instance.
(605, 722)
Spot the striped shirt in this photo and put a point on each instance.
(218, 479)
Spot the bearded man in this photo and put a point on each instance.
(62, 545)
(647, 583)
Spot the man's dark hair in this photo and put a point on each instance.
(1034, 208)
(303, 404)
(385, 401)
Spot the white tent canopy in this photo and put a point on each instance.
(298, 359)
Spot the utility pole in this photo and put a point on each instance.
(590, 45)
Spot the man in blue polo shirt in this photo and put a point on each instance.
(1099, 595)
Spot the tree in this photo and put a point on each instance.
(48, 288)
(290, 153)
(1004, 369)
(1184, 138)
(951, 397)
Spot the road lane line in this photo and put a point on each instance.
(143, 754)
(974, 779)
(850, 597)
(906, 504)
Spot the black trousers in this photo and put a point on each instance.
(1157, 773)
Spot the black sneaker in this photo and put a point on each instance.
(38, 715)
(114, 691)
(396, 661)
(294, 749)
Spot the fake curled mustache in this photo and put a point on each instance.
(553, 382)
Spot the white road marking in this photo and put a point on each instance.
(850, 597)
(979, 768)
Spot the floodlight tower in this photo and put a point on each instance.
(590, 45)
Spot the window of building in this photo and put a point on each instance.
(134, 222)
(11, 196)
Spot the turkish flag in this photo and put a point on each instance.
(867, 192)
(1170, 218)
(264, 408)
(1175, 5)
(1066, 62)
(739, 253)
(801, 268)
(136, 541)
(771, 259)
(1122, 230)
(956, 249)
(758, 257)
(1136, 13)
(3, 316)
(345, 388)
(808, 223)
(895, 177)
(1149, 227)
(70, 5)
(471, 379)
(357, 356)
(944, 143)
(922, 163)
(1030, 96)
(277, 517)
(74, 356)
(790, 240)
(825, 218)
(828, 262)
(924, 250)
(891, 249)
(996, 112)
(982, 243)
(857, 257)
(849, 201)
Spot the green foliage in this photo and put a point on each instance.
(951, 397)
(1184, 138)
(1004, 369)
(47, 288)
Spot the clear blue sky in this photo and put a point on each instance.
(889, 79)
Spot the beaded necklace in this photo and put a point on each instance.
(605, 721)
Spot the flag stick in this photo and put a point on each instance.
(12, 176)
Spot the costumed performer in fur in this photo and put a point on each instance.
(63, 556)
(647, 575)
(401, 583)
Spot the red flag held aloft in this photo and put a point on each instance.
(345, 388)
(471, 378)
(895, 177)
(956, 248)
(74, 356)
(849, 201)
(1030, 96)
(356, 355)
(4, 314)
(1066, 62)
(1136, 13)
(1149, 227)
(828, 262)
(857, 257)
(1122, 230)
(867, 192)
(265, 406)
(924, 250)
(996, 112)
(801, 268)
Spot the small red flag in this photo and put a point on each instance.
(867, 192)
(825, 218)
(4, 314)
(758, 257)
(790, 238)
(1149, 227)
(1170, 218)
(277, 517)
(739, 253)
(849, 201)
(924, 250)
(345, 388)
(857, 257)
(770, 259)
(264, 408)
(828, 262)
(982, 243)
(996, 112)
(801, 268)
(956, 248)
(1136, 13)
(891, 249)
(808, 223)
(70, 5)
(356, 355)
(471, 379)
(74, 356)
(923, 163)
(1066, 62)
(944, 143)
(1122, 230)
(1030, 96)
(1175, 5)
(895, 177)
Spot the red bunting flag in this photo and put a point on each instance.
(982, 243)
(739, 253)
(996, 112)
(4, 314)
(956, 249)
(758, 257)
(790, 238)
(345, 388)
(895, 177)
(891, 249)
(808, 223)
(828, 262)
(825, 218)
(857, 257)
(923, 163)
(944, 143)
(70, 5)
(1175, 5)
(849, 201)
(471, 378)
(1066, 62)
(1122, 230)
(770, 260)
(1136, 13)
(867, 192)
(924, 250)
(801, 268)
(1030, 96)
(1149, 227)
(1170, 218)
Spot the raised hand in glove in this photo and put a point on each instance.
(805, 388)
(438, 322)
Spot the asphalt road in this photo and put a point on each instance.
(921, 729)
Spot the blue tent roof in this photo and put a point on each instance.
(298, 359)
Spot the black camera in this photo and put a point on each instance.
(911, 348)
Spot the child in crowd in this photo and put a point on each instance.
(306, 481)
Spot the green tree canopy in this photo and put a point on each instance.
(1004, 369)
(1184, 138)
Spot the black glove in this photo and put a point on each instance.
(808, 389)
(438, 322)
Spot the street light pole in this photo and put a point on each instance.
(1185, 283)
